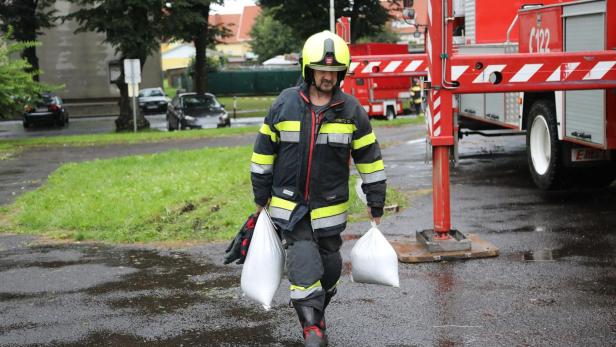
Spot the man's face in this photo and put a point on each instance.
(325, 81)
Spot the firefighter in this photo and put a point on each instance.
(416, 97)
(300, 167)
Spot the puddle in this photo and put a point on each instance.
(11, 172)
(151, 303)
(542, 255)
(254, 336)
(524, 229)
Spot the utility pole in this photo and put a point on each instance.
(332, 17)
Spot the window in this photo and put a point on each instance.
(359, 82)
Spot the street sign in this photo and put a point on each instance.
(133, 90)
(132, 71)
(132, 77)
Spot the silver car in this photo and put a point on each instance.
(153, 100)
(194, 111)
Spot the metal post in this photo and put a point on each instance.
(441, 120)
(134, 107)
(332, 17)
(234, 106)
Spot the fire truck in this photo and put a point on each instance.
(570, 134)
(382, 93)
(547, 70)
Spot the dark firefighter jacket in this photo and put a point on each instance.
(301, 161)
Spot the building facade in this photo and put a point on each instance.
(81, 63)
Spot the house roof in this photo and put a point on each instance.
(239, 24)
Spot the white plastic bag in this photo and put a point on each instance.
(374, 260)
(264, 263)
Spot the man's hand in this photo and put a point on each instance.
(376, 220)
(259, 209)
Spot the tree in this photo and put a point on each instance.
(188, 20)
(133, 28)
(27, 18)
(270, 37)
(16, 83)
(305, 18)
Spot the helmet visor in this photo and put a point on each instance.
(327, 67)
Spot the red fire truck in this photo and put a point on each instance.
(381, 95)
(571, 134)
(380, 74)
(554, 78)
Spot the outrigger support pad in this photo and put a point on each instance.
(434, 242)
(426, 248)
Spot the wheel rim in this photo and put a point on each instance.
(540, 145)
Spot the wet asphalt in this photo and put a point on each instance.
(553, 284)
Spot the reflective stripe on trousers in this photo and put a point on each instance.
(299, 292)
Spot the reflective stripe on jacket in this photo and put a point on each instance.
(302, 158)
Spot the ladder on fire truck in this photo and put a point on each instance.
(450, 73)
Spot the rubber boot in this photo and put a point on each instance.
(328, 297)
(310, 318)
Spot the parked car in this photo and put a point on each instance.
(190, 110)
(153, 100)
(48, 110)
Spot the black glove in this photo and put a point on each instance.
(238, 248)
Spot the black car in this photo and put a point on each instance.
(48, 110)
(193, 111)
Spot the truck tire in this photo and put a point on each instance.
(543, 150)
(390, 114)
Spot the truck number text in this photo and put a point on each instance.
(539, 40)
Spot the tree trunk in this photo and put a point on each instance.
(124, 122)
(30, 55)
(354, 20)
(29, 34)
(200, 42)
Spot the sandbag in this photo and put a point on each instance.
(374, 260)
(264, 263)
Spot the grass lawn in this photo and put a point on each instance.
(177, 195)
(248, 106)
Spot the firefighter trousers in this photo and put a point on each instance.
(314, 265)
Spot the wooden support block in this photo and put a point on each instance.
(410, 251)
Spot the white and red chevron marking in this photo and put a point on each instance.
(527, 69)
(537, 72)
(353, 66)
(394, 64)
(435, 112)
(370, 66)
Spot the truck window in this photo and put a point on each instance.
(359, 82)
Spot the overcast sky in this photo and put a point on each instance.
(231, 6)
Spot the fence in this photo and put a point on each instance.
(254, 82)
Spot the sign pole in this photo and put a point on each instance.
(134, 87)
(132, 77)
